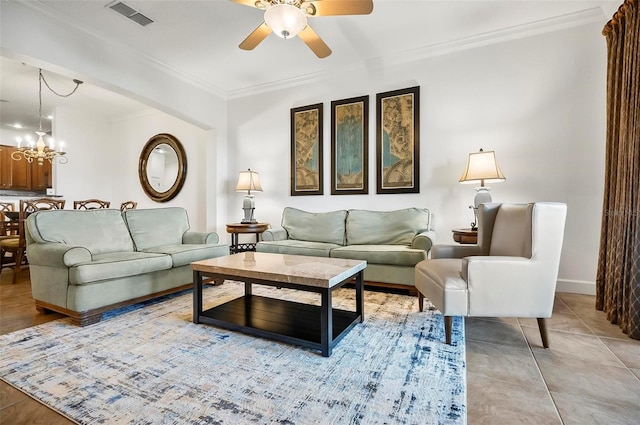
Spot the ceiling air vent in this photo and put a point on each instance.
(129, 12)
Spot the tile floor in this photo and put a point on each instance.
(590, 375)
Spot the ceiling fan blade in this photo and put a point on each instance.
(337, 7)
(255, 37)
(315, 43)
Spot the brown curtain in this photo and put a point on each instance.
(618, 278)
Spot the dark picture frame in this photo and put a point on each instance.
(398, 141)
(350, 146)
(306, 150)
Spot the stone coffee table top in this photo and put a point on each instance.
(321, 272)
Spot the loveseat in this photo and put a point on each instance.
(84, 263)
(392, 242)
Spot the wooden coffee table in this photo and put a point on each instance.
(317, 327)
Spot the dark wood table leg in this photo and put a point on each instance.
(326, 323)
(359, 296)
(197, 296)
(234, 243)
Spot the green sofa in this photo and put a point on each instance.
(83, 263)
(392, 242)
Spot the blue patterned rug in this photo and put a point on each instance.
(148, 364)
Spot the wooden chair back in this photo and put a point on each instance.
(7, 227)
(17, 244)
(90, 204)
(129, 205)
(7, 206)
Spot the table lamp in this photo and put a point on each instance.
(481, 167)
(248, 180)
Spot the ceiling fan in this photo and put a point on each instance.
(288, 18)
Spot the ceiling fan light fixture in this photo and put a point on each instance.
(285, 20)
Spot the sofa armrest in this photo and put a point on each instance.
(57, 255)
(193, 237)
(454, 251)
(424, 240)
(276, 234)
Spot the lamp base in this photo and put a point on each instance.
(482, 197)
(248, 206)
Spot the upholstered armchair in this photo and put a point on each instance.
(511, 272)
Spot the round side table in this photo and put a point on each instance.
(236, 228)
(465, 236)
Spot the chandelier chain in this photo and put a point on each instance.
(41, 79)
(78, 82)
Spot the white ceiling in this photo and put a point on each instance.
(198, 40)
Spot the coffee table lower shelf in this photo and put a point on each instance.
(279, 320)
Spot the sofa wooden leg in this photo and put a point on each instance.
(43, 310)
(448, 324)
(420, 301)
(542, 325)
(84, 319)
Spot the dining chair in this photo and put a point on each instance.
(128, 205)
(6, 227)
(16, 245)
(511, 272)
(90, 204)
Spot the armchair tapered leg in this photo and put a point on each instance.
(542, 325)
(420, 301)
(448, 324)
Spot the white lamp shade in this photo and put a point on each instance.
(482, 167)
(285, 20)
(248, 181)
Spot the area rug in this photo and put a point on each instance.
(149, 364)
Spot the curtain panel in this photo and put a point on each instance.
(618, 275)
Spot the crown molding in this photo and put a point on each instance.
(584, 17)
(543, 26)
(282, 84)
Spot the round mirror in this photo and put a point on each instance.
(162, 167)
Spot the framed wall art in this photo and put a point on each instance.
(306, 150)
(398, 141)
(349, 146)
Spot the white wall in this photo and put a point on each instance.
(130, 134)
(539, 102)
(90, 153)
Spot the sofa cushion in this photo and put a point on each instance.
(184, 254)
(157, 226)
(396, 255)
(294, 247)
(385, 227)
(100, 231)
(117, 265)
(328, 227)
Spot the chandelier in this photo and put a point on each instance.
(40, 151)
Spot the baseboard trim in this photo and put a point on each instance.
(576, 286)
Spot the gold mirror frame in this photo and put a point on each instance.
(174, 143)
